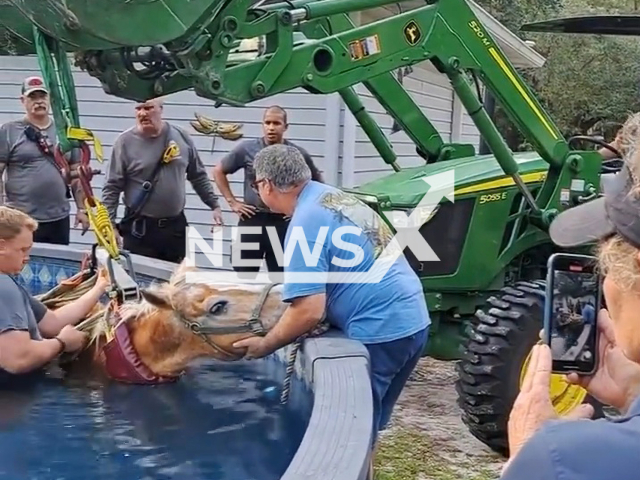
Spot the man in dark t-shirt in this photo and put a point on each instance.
(31, 335)
(34, 183)
(252, 212)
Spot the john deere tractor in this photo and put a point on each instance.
(483, 218)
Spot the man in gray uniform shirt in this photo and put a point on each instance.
(30, 334)
(34, 183)
(252, 212)
(149, 163)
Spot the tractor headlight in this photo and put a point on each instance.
(413, 217)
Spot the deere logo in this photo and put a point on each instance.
(172, 152)
(412, 33)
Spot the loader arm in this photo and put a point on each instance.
(314, 45)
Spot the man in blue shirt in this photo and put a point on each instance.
(334, 248)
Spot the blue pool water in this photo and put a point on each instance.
(214, 424)
(222, 421)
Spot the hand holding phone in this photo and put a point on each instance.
(573, 299)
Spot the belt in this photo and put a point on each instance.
(160, 222)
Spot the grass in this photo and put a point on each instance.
(407, 454)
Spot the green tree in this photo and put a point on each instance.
(589, 83)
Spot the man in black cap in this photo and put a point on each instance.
(543, 446)
(34, 183)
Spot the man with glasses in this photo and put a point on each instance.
(345, 264)
(35, 184)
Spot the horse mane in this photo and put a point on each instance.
(97, 325)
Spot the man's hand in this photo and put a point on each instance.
(617, 142)
(103, 282)
(82, 219)
(73, 338)
(243, 210)
(533, 406)
(617, 379)
(256, 347)
(217, 219)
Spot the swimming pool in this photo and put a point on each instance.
(222, 421)
(219, 422)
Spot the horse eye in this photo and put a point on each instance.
(218, 307)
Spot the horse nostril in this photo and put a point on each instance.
(220, 306)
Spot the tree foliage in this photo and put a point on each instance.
(590, 83)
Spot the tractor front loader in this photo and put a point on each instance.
(489, 229)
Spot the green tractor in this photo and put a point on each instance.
(484, 246)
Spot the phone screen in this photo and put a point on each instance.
(574, 304)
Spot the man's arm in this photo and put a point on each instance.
(115, 182)
(533, 461)
(299, 318)
(230, 163)
(5, 149)
(51, 322)
(608, 154)
(3, 167)
(197, 175)
(304, 283)
(18, 353)
(75, 186)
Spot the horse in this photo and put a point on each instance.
(170, 326)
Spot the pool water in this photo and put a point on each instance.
(220, 422)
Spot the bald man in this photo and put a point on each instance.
(149, 164)
(251, 210)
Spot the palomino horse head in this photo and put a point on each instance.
(179, 321)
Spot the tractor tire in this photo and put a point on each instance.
(498, 343)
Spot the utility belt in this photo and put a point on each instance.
(132, 217)
(138, 225)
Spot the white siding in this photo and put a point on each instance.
(107, 116)
(433, 93)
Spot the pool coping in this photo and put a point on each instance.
(336, 444)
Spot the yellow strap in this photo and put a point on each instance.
(86, 135)
(103, 228)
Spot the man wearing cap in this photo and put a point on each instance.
(34, 184)
(543, 446)
(149, 164)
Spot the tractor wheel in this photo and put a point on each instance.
(496, 353)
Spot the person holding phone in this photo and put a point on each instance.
(541, 445)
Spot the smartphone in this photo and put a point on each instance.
(573, 299)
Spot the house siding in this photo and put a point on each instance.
(433, 93)
(107, 116)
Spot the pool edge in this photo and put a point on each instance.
(337, 443)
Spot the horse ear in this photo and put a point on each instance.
(155, 297)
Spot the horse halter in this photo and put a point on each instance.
(206, 324)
